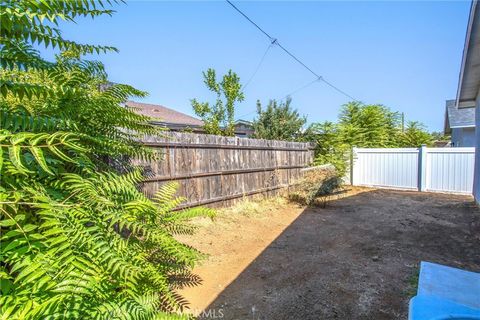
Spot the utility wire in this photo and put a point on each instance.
(299, 89)
(251, 21)
(253, 75)
(246, 114)
(258, 66)
(275, 41)
(338, 89)
(286, 96)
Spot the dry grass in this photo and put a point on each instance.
(254, 207)
(317, 186)
(248, 207)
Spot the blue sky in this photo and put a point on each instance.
(405, 55)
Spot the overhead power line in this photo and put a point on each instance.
(284, 97)
(275, 41)
(338, 89)
(246, 114)
(299, 89)
(258, 66)
(251, 21)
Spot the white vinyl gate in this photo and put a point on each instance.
(423, 169)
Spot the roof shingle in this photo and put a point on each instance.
(460, 118)
(164, 114)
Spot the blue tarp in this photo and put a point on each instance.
(446, 293)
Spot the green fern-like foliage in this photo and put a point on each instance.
(79, 240)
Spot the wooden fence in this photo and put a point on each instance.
(215, 170)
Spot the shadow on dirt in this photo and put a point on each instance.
(354, 259)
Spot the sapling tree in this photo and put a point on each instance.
(219, 117)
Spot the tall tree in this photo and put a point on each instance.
(415, 135)
(219, 117)
(278, 121)
(329, 145)
(368, 125)
(79, 240)
(440, 136)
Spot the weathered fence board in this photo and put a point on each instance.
(214, 169)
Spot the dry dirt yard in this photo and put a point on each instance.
(355, 259)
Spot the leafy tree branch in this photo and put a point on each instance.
(278, 121)
(219, 117)
(79, 238)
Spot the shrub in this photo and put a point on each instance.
(317, 183)
(79, 239)
(278, 121)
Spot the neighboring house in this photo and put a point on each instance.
(178, 121)
(244, 129)
(468, 93)
(442, 144)
(169, 118)
(460, 124)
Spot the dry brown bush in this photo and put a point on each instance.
(317, 185)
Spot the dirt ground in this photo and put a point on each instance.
(355, 259)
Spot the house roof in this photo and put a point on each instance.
(244, 122)
(458, 117)
(165, 115)
(469, 82)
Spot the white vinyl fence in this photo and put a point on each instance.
(423, 169)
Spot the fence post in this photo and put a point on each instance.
(422, 168)
(352, 151)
